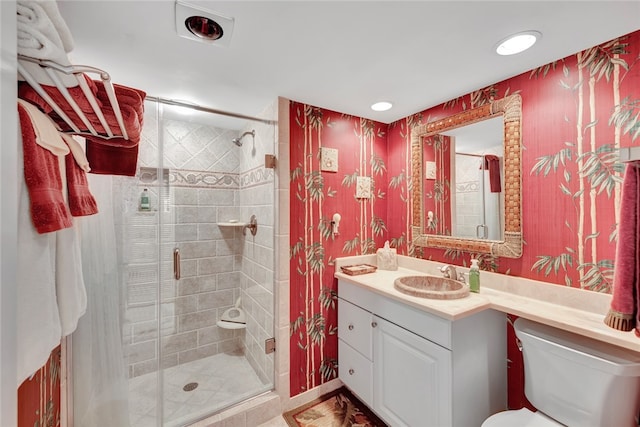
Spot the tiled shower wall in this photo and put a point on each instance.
(257, 198)
(202, 165)
(467, 193)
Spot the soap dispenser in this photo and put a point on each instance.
(144, 201)
(474, 276)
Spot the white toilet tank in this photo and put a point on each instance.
(579, 381)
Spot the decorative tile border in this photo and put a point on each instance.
(206, 179)
(257, 176)
(182, 178)
(467, 187)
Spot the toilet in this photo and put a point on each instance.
(573, 381)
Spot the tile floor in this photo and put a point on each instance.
(275, 422)
(223, 380)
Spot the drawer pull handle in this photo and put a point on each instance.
(351, 371)
(374, 324)
(351, 327)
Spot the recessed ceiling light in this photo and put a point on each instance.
(381, 106)
(517, 43)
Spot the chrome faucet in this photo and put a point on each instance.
(450, 272)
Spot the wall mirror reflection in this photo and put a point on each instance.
(466, 172)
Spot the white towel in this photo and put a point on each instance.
(71, 294)
(45, 17)
(70, 290)
(77, 151)
(38, 319)
(42, 42)
(47, 134)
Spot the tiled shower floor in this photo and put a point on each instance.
(223, 380)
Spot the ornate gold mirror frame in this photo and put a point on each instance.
(510, 108)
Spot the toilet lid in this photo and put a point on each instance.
(521, 418)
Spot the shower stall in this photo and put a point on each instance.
(477, 210)
(180, 289)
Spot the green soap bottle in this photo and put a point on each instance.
(474, 276)
(144, 201)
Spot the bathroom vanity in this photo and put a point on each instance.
(428, 362)
(415, 368)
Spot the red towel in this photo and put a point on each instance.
(81, 201)
(492, 163)
(122, 157)
(110, 160)
(42, 175)
(624, 314)
(26, 92)
(113, 156)
(130, 102)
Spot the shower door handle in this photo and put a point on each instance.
(176, 263)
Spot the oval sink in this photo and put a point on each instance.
(431, 287)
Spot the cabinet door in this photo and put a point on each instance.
(411, 378)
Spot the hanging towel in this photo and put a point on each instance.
(110, 160)
(77, 151)
(492, 163)
(26, 92)
(624, 314)
(130, 101)
(38, 329)
(42, 176)
(81, 201)
(116, 156)
(47, 136)
(71, 294)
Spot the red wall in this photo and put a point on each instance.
(570, 184)
(39, 397)
(315, 197)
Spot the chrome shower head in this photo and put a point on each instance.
(238, 141)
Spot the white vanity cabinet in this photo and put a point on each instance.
(414, 368)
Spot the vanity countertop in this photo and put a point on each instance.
(570, 309)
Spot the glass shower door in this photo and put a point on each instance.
(215, 316)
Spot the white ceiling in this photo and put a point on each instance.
(339, 55)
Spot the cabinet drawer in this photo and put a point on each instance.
(427, 325)
(354, 327)
(356, 372)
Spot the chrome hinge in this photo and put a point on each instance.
(269, 345)
(269, 161)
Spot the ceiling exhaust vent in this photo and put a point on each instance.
(196, 23)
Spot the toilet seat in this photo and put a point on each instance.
(521, 418)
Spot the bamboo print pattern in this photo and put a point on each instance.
(39, 397)
(598, 168)
(313, 296)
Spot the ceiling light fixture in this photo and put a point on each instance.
(381, 106)
(518, 42)
(207, 26)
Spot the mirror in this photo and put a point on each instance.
(433, 154)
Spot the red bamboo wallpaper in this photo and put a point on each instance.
(437, 188)
(577, 112)
(39, 397)
(317, 195)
